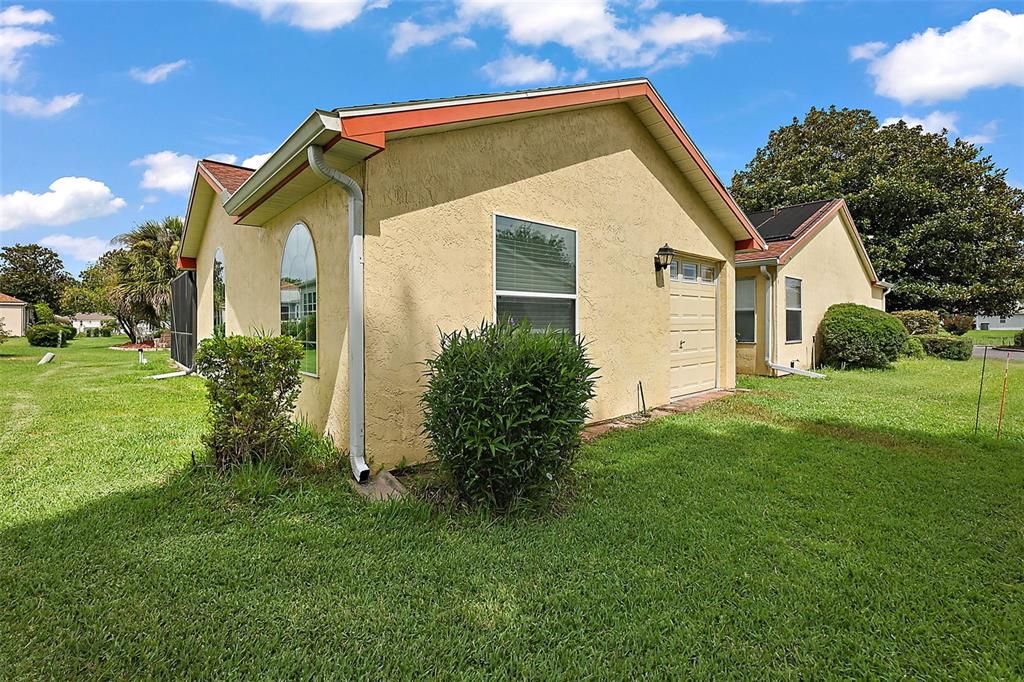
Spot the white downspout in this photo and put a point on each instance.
(767, 316)
(356, 344)
(768, 333)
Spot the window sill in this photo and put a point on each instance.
(746, 343)
(792, 343)
(308, 374)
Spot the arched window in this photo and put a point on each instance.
(219, 293)
(298, 293)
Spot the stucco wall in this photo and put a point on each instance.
(429, 252)
(430, 202)
(252, 268)
(13, 317)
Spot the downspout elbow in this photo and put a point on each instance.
(356, 342)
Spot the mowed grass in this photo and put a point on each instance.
(850, 527)
(992, 337)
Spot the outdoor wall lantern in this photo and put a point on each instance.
(663, 258)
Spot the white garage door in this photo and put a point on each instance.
(693, 327)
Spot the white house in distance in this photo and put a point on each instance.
(13, 314)
(83, 321)
(999, 322)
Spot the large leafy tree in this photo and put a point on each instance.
(149, 264)
(33, 273)
(939, 220)
(99, 291)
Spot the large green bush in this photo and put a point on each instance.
(44, 313)
(252, 384)
(1018, 339)
(854, 335)
(948, 347)
(919, 321)
(504, 408)
(48, 335)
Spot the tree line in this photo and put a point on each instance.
(130, 282)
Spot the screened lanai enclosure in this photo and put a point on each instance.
(183, 318)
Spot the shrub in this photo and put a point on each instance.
(44, 313)
(109, 325)
(252, 384)
(106, 331)
(47, 335)
(69, 331)
(3, 332)
(1018, 339)
(947, 347)
(919, 321)
(858, 336)
(913, 348)
(504, 408)
(958, 324)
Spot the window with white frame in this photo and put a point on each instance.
(794, 311)
(707, 274)
(746, 300)
(535, 274)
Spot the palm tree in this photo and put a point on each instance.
(150, 263)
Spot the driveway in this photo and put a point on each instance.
(1000, 355)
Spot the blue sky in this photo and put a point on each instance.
(107, 105)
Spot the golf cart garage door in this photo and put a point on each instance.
(693, 326)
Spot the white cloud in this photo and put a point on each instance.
(311, 15)
(866, 51)
(986, 51)
(172, 172)
(591, 29)
(69, 200)
(463, 43)
(24, 105)
(934, 122)
(520, 70)
(256, 160)
(14, 40)
(83, 249)
(986, 135)
(17, 15)
(158, 73)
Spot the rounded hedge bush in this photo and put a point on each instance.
(913, 348)
(854, 335)
(47, 335)
(948, 347)
(958, 324)
(504, 408)
(919, 321)
(1018, 340)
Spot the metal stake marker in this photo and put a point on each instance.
(1002, 400)
(977, 415)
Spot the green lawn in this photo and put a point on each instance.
(850, 527)
(992, 337)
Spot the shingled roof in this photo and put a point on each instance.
(227, 175)
(4, 298)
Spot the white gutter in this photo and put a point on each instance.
(356, 348)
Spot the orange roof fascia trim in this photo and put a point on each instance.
(186, 263)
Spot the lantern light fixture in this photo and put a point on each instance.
(663, 258)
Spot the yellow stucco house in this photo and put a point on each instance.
(586, 208)
(814, 259)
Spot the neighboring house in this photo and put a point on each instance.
(83, 321)
(14, 314)
(815, 258)
(998, 322)
(548, 205)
